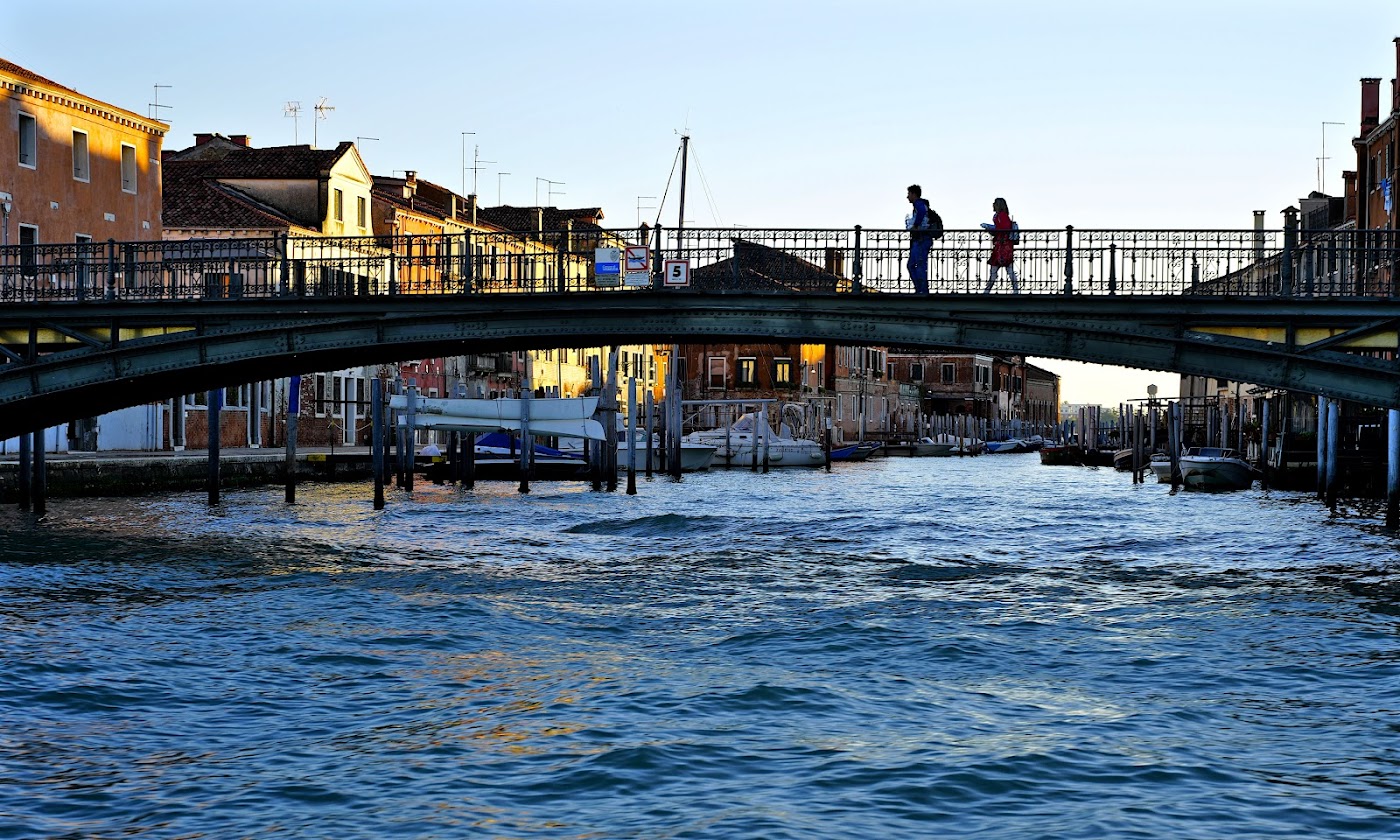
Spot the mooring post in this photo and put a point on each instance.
(648, 420)
(826, 441)
(216, 403)
(527, 441)
(1322, 447)
(1392, 475)
(1174, 432)
(289, 477)
(677, 413)
(469, 463)
(1334, 430)
(767, 433)
(376, 439)
(631, 435)
(26, 466)
(410, 450)
(41, 476)
(610, 422)
(1264, 444)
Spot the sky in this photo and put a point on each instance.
(1120, 114)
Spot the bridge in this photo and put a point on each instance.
(93, 327)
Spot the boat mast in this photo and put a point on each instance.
(685, 153)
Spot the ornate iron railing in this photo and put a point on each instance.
(1240, 263)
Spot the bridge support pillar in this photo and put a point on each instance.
(214, 413)
(1392, 475)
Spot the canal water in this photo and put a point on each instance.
(902, 648)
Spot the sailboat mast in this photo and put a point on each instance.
(685, 154)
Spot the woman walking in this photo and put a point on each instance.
(1002, 246)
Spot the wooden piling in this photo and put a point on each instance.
(469, 462)
(527, 441)
(631, 435)
(216, 402)
(376, 422)
(1264, 445)
(40, 488)
(1174, 432)
(26, 467)
(1322, 447)
(410, 439)
(1334, 429)
(1392, 475)
(289, 469)
(610, 423)
(649, 418)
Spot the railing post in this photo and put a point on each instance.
(1290, 245)
(284, 264)
(657, 258)
(111, 269)
(1069, 259)
(467, 263)
(1113, 268)
(857, 271)
(393, 267)
(561, 282)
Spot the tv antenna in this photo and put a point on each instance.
(156, 106)
(641, 206)
(499, 175)
(322, 108)
(293, 109)
(476, 166)
(549, 192)
(1322, 161)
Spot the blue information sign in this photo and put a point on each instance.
(607, 268)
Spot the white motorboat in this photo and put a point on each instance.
(736, 445)
(1161, 466)
(927, 447)
(695, 457)
(961, 445)
(1214, 468)
(1003, 447)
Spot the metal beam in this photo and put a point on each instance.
(1350, 335)
(74, 334)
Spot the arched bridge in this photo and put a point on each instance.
(88, 329)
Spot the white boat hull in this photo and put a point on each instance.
(1216, 473)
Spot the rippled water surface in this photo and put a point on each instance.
(908, 647)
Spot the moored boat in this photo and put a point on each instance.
(1061, 455)
(1214, 468)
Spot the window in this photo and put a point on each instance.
(361, 214)
(747, 374)
(82, 238)
(821, 374)
(1222, 383)
(320, 395)
(128, 168)
(28, 141)
(889, 371)
(339, 205)
(28, 259)
(782, 373)
(950, 373)
(916, 371)
(80, 156)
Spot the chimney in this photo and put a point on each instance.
(1349, 193)
(240, 139)
(202, 138)
(471, 208)
(1370, 105)
(410, 183)
(538, 213)
(450, 206)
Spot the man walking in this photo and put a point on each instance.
(919, 226)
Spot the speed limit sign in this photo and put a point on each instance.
(677, 272)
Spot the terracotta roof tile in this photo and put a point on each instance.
(190, 199)
(759, 267)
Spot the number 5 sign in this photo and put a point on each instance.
(677, 273)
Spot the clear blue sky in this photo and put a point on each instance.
(1096, 114)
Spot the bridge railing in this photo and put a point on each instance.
(1247, 263)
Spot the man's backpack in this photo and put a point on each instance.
(933, 223)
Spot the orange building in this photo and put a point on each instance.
(74, 168)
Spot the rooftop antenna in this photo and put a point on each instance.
(498, 186)
(641, 206)
(293, 110)
(476, 166)
(464, 159)
(156, 106)
(1322, 161)
(323, 107)
(549, 192)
